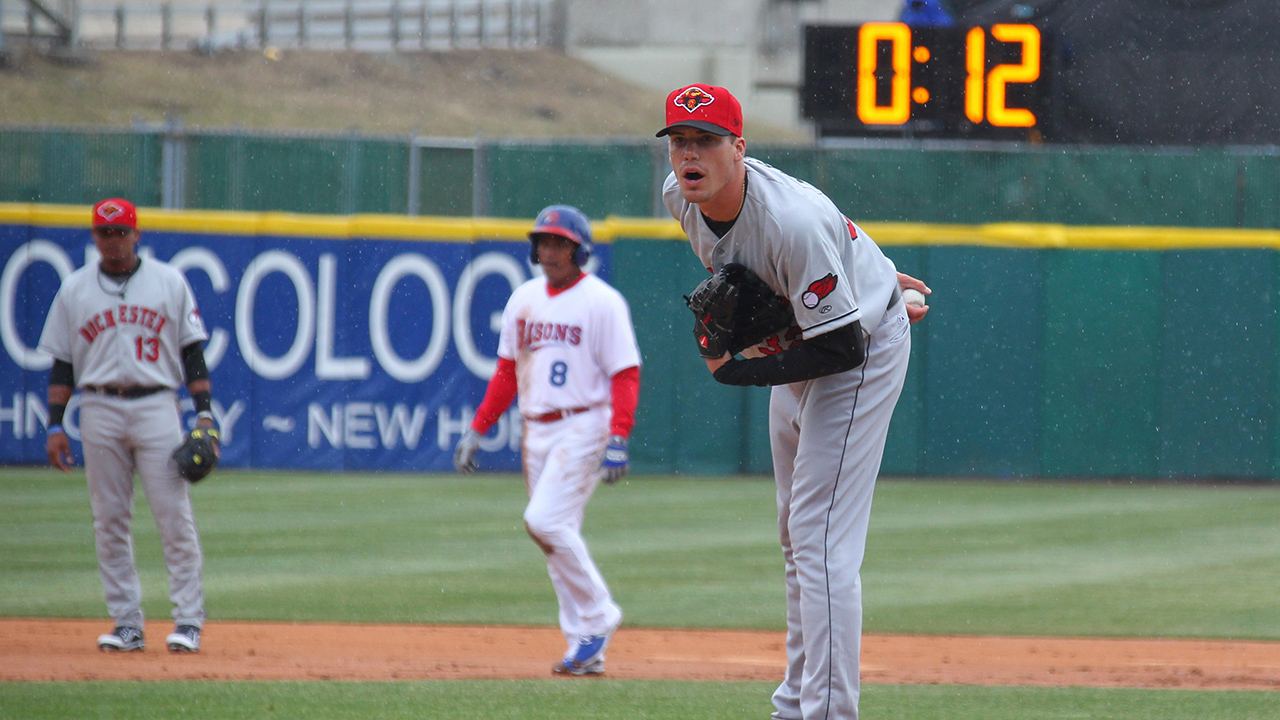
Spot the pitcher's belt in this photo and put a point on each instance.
(555, 415)
(128, 392)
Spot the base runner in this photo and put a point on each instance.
(568, 350)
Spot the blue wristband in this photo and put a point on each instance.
(55, 429)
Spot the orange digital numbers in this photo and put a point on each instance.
(1024, 72)
(992, 86)
(975, 66)
(885, 79)
(898, 111)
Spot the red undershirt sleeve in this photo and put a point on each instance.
(625, 397)
(497, 397)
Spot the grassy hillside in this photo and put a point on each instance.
(444, 94)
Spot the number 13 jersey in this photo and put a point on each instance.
(128, 333)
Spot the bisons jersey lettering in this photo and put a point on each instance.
(568, 346)
(536, 334)
(126, 334)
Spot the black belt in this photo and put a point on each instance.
(128, 392)
(896, 296)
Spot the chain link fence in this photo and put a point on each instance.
(895, 181)
(330, 174)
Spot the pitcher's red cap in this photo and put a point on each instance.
(705, 107)
(115, 213)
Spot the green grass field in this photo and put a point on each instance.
(943, 557)
(596, 700)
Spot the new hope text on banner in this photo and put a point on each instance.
(347, 353)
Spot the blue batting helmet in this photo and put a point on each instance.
(567, 222)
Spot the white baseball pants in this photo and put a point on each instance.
(120, 436)
(828, 438)
(562, 469)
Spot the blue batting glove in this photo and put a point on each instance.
(616, 462)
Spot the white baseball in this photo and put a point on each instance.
(913, 297)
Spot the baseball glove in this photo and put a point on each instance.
(198, 454)
(733, 310)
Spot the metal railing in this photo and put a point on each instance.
(360, 25)
(39, 20)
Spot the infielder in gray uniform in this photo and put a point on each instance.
(125, 331)
(836, 375)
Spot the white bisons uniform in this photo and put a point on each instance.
(132, 334)
(827, 434)
(567, 347)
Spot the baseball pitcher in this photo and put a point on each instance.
(836, 358)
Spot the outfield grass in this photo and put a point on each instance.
(597, 700)
(943, 557)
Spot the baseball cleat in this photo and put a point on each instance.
(122, 639)
(566, 667)
(590, 650)
(184, 638)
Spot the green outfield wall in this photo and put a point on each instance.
(871, 181)
(1098, 312)
(1048, 352)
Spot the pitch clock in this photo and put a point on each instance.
(891, 79)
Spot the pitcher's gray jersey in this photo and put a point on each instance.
(796, 239)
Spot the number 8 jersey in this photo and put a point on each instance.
(129, 333)
(566, 344)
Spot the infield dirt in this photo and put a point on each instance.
(39, 650)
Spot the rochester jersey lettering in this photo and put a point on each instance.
(122, 315)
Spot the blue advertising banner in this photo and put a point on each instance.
(335, 343)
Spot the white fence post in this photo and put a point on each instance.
(453, 25)
(264, 27)
(424, 24)
(349, 25)
(304, 24)
(120, 27)
(395, 24)
(413, 186)
(173, 164)
(166, 25)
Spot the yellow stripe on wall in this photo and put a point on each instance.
(398, 227)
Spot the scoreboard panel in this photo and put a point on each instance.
(893, 80)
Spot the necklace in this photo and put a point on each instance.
(122, 284)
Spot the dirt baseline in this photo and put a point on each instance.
(38, 650)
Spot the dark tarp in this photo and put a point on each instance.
(1158, 72)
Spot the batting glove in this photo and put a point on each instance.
(464, 456)
(616, 462)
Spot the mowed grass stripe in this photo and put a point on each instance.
(597, 700)
(1073, 559)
